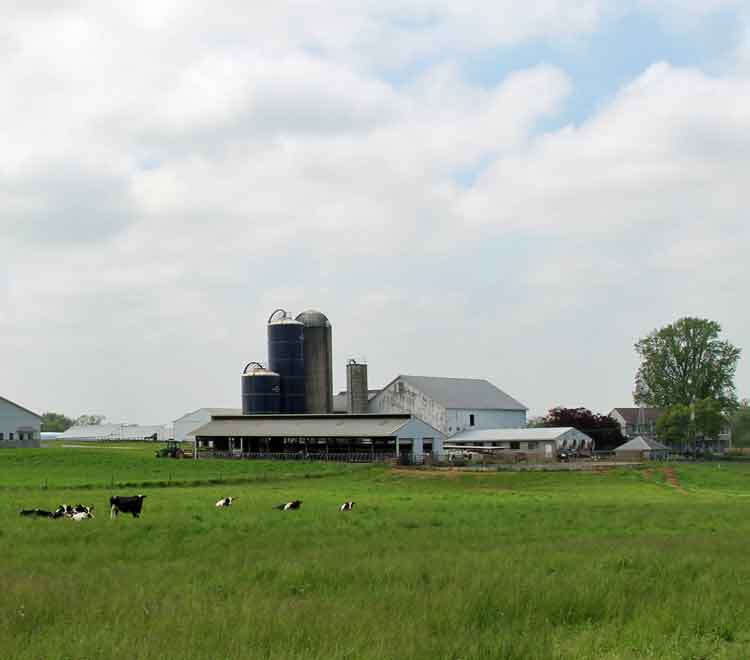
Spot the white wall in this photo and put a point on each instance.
(459, 420)
(17, 421)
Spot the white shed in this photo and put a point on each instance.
(19, 426)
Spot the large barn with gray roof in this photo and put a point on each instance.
(451, 405)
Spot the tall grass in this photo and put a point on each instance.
(525, 566)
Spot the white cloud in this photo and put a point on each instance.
(171, 173)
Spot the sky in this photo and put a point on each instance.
(501, 190)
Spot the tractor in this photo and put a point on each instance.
(172, 450)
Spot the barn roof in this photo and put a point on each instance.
(462, 393)
(632, 415)
(529, 434)
(304, 426)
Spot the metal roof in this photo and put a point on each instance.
(465, 393)
(312, 318)
(13, 403)
(642, 444)
(303, 426)
(632, 415)
(112, 432)
(506, 435)
(340, 402)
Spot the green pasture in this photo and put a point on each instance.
(428, 566)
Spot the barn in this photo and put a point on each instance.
(642, 449)
(19, 426)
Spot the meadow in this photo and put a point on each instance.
(617, 564)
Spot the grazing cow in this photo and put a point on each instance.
(127, 504)
(82, 515)
(289, 506)
(225, 501)
(346, 506)
(37, 513)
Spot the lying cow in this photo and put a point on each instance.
(346, 506)
(37, 513)
(82, 515)
(289, 506)
(126, 504)
(225, 501)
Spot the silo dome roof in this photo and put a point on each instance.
(314, 319)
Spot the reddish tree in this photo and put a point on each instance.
(603, 430)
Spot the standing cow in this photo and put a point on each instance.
(126, 504)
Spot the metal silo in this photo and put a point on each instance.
(261, 390)
(286, 357)
(318, 362)
(357, 397)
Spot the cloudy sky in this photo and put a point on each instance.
(508, 190)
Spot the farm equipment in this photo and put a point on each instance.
(172, 450)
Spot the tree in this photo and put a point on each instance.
(55, 422)
(90, 420)
(685, 362)
(682, 424)
(603, 430)
(673, 427)
(740, 421)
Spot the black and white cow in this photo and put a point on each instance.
(290, 506)
(346, 506)
(82, 515)
(126, 504)
(225, 501)
(37, 513)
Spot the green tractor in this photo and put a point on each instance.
(172, 450)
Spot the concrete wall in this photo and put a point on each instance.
(24, 426)
(399, 396)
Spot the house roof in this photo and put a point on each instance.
(304, 426)
(642, 444)
(463, 393)
(632, 415)
(13, 403)
(541, 434)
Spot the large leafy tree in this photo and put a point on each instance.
(603, 430)
(55, 422)
(741, 425)
(682, 424)
(685, 362)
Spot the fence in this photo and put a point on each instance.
(350, 457)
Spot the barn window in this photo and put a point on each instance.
(10, 435)
(515, 445)
(532, 445)
(2, 436)
(471, 420)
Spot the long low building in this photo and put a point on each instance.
(382, 435)
(545, 442)
(115, 432)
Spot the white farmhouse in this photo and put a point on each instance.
(19, 427)
(450, 405)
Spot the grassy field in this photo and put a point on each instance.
(622, 564)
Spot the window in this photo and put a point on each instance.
(471, 420)
(515, 445)
(2, 436)
(10, 436)
(532, 445)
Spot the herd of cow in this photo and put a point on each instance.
(133, 504)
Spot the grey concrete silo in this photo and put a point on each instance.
(318, 362)
(356, 387)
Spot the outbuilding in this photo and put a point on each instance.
(543, 443)
(642, 449)
(19, 426)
